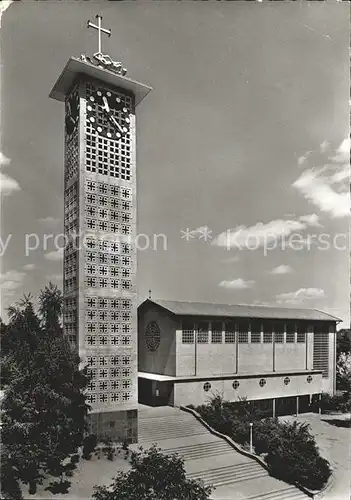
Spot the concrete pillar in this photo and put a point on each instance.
(273, 407)
(297, 405)
(319, 404)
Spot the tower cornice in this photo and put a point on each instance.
(82, 66)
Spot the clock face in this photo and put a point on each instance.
(72, 113)
(107, 114)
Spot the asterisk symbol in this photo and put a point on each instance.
(186, 234)
(205, 233)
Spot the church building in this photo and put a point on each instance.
(282, 359)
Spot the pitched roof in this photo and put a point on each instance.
(240, 310)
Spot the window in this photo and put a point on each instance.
(321, 350)
(216, 334)
(278, 337)
(267, 333)
(262, 382)
(229, 336)
(286, 381)
(243, 333)
(207, 386)
(301, 334)
(187, 333)
(236, 384)
(202, 333)
(152, 336)
(290, 333)
(187, 337)
(279, 329)
(256, 332)
(309, 379)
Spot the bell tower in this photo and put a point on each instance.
(100, 268)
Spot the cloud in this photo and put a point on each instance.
(29, 267)
(311, 219)
(8, 185)
(48, 220)
(5, 4)
(238, 284)
(55, 255)
(260, 234)
(327, 186)
(341, 175)
(324, 146)
(316, 187)
(11, 280)
(300, 296)
(303, 158)
(283, 269)
(342, 154)
(4, 160)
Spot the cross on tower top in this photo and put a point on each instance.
(150, 293)
(100, 30)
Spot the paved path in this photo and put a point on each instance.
(207, 457)
(334, 443)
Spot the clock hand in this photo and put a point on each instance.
(106, 104)
(113, 120)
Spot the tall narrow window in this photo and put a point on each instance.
(278, 332)
(290, 333)
(216, 332)
(187, 332)
(202, 332)
(229, 335)
(321, 349)
(243, 335)
(267, 333)
(301, 333)
(256, 332)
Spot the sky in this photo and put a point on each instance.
(242, 146)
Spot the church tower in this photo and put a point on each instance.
(100, 268)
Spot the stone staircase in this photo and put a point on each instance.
(209, 458)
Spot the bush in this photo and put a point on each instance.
(337, 402)
(153, 476)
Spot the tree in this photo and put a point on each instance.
(343, 371)
(44, 409)
(153, 476)
(50, 308)
(343, 342)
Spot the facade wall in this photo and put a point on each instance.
(224, 358)
(162, 360)
(179, 357)
(118, 425)
(192, 392)
(100, 309)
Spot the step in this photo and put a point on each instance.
(226, 480)
(291, 493)
(201, 455)
(207, 445)
(164, 436)
(229, 467)
(152, 436)
(233, 471)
